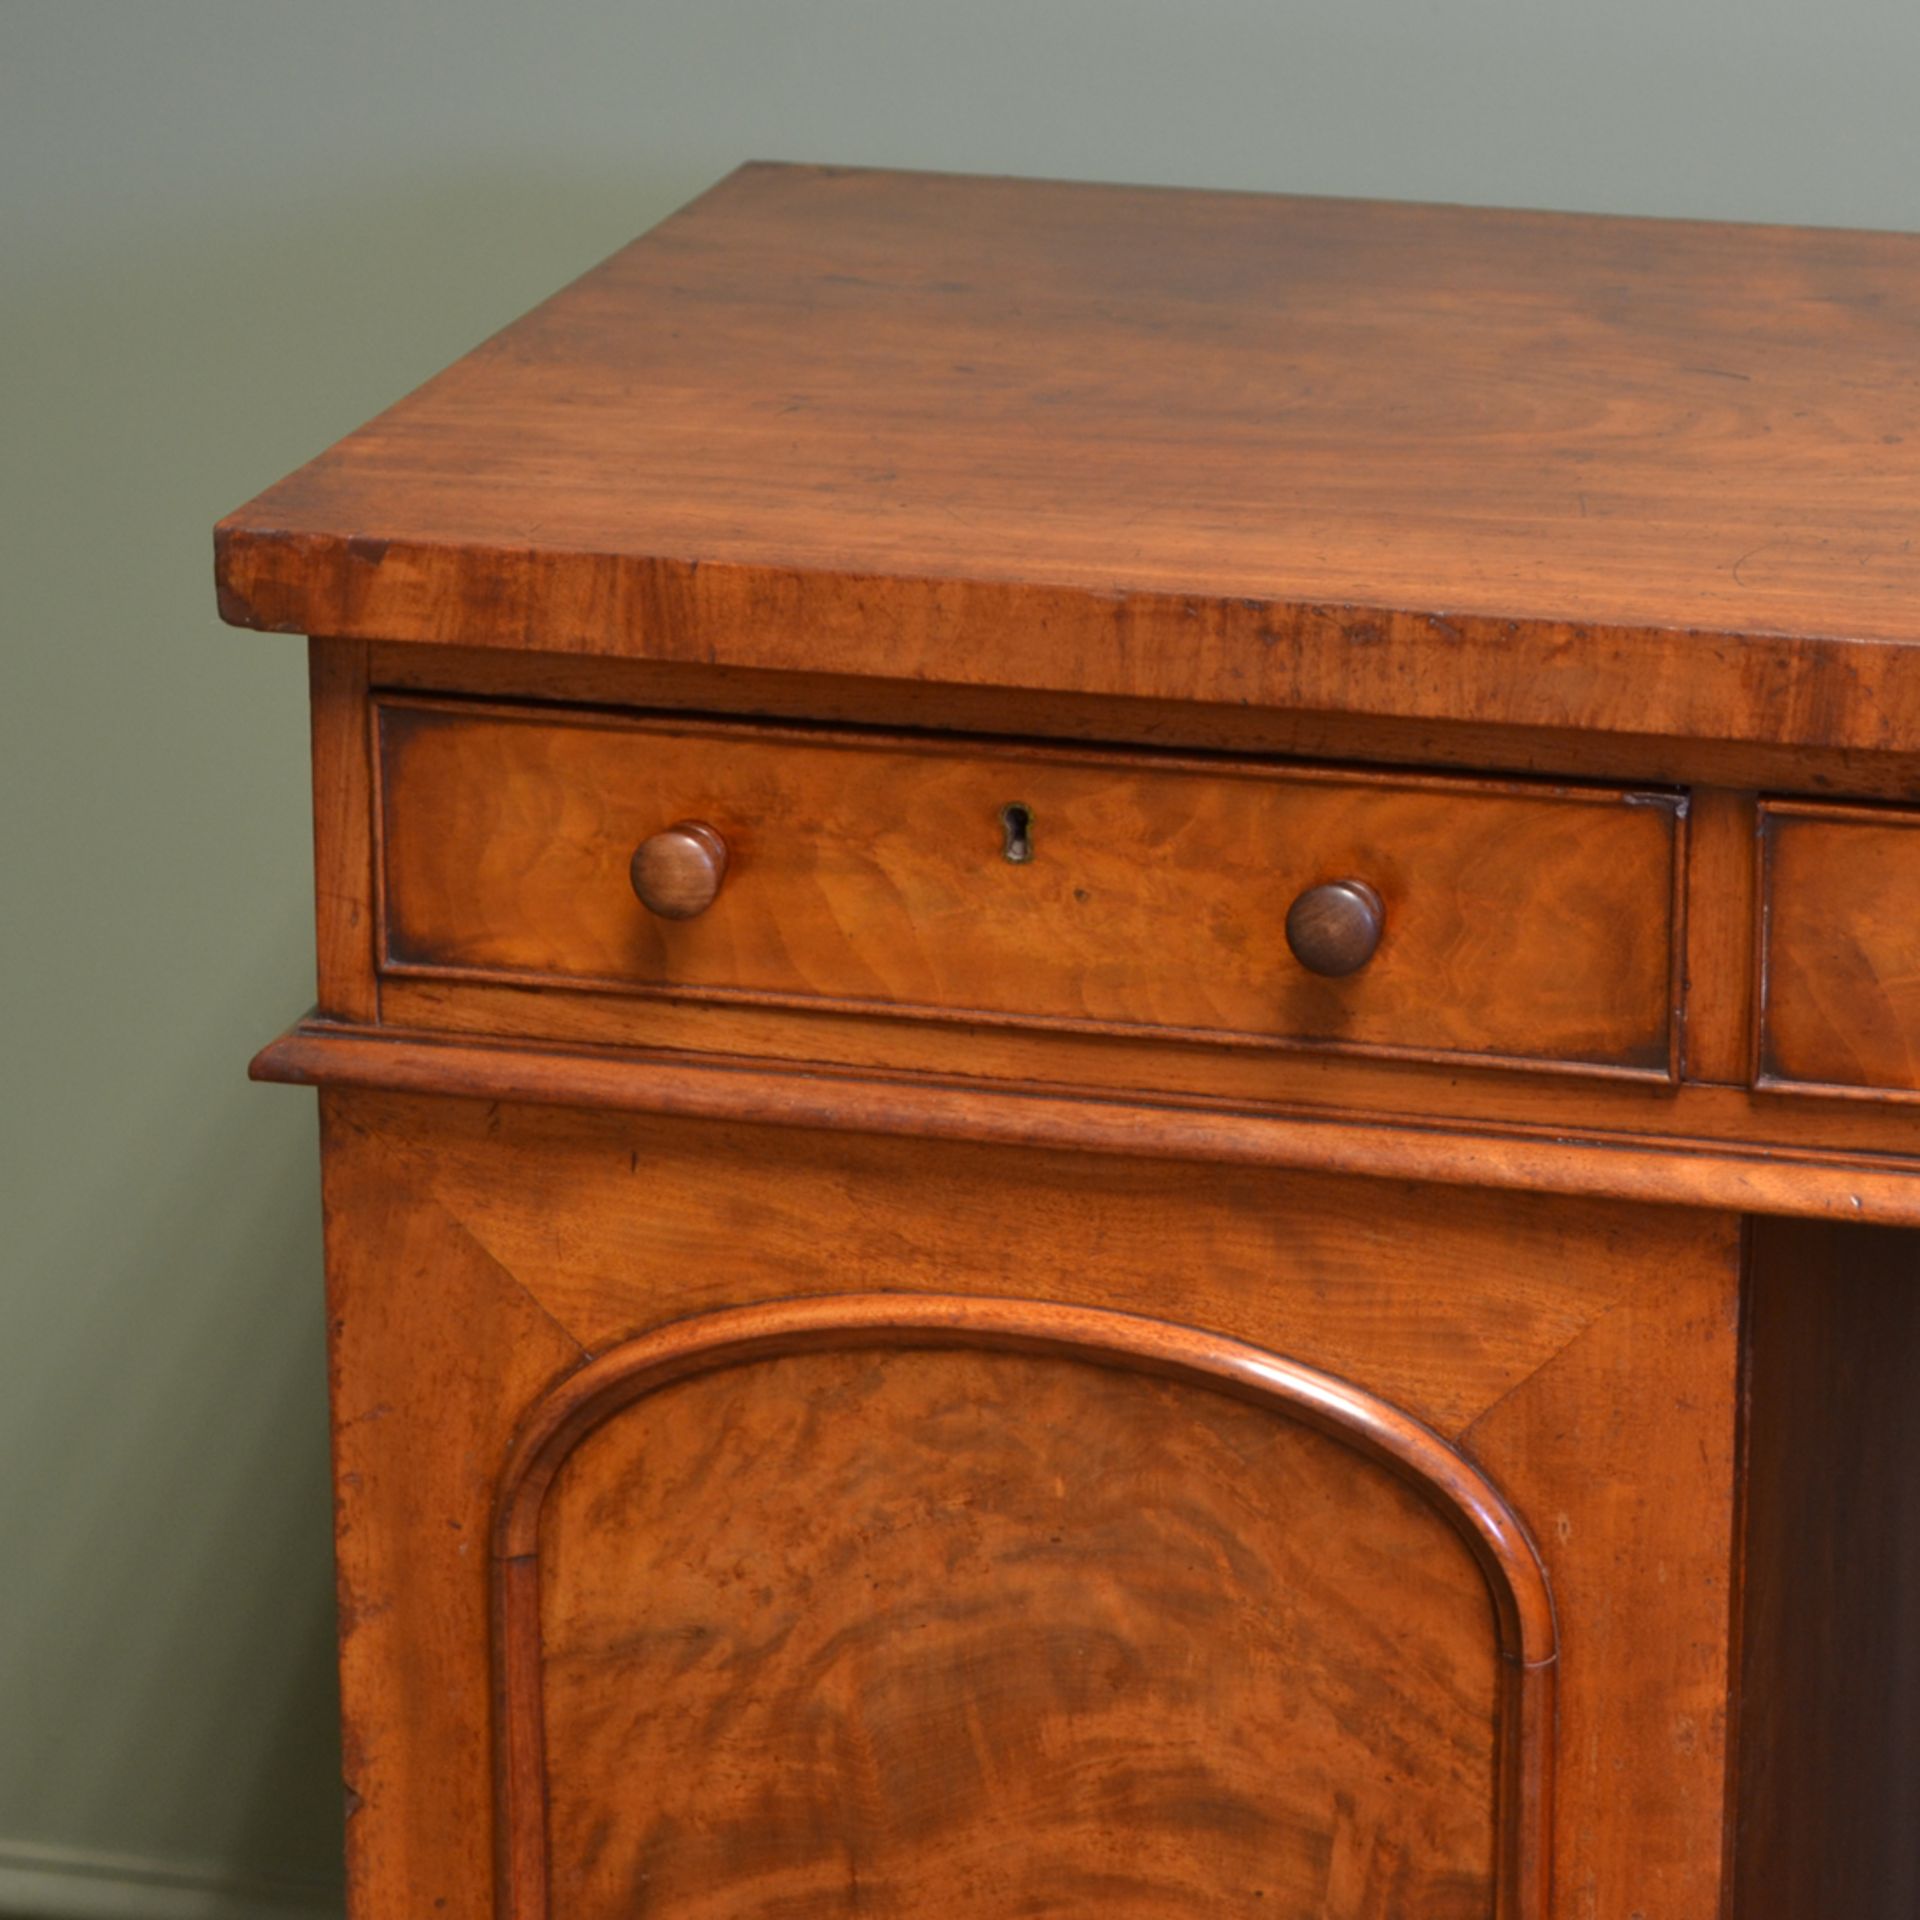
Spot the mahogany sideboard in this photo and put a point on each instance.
(1119, 1043)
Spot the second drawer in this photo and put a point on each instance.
(977, 881)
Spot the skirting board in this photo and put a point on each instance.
(66, 1883)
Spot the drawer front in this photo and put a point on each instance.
(1528, 924)
(1839, 1001)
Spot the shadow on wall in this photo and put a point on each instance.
(166, 1660)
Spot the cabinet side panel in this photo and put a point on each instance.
(1829, 1762)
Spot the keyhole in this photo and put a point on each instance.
(1016, 822)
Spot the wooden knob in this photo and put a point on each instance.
(1334, 929)
(677, 871)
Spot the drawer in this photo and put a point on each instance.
(1839, 999)
(1529, 924)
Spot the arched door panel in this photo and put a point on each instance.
(894, 1605)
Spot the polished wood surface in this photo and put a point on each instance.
(1505, 1324)
(1334, 929)
(1119, 1029)
(676, 873)
(1840, 949)
(412, 1303)
(1112, 1699)
(1530, 923)
(1760, 1177)
(1434, 462)
(1555, 751)
(345, 913)
(1722, 862)
(1141, 1614)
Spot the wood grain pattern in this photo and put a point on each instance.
(1532, 924)
(677, 872)
(637, 1212)
(428, 1337)
(1511, 1318)
(998, 1378)
(1402, 460)
(1829, 1725)
(1666, 1171)
(1028, 1621)
(1621, 1453)
(984, 1694)
(1556, 752)
(345, 914)
(1384, 1434)
(1840, 950)
(1289, 1081)
(1334, 928)
(1717, 1001)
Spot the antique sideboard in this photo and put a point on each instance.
(1119, 1042)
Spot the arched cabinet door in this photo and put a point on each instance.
(899, 1604)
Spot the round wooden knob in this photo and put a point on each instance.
(677, 871)
(1334, 929)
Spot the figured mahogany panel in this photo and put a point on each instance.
(1531, 923)
(895, 1605)
(1840, 949)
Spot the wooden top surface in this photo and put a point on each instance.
(1538, 469)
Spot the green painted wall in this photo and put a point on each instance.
(227, 234)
